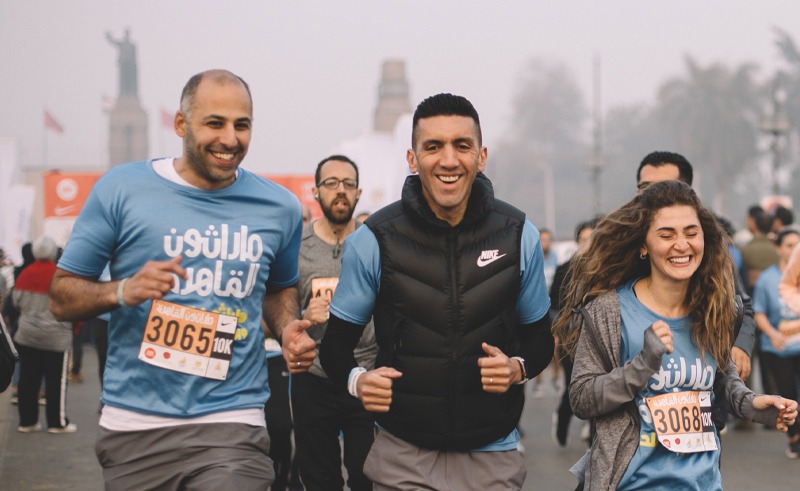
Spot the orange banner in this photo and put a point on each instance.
(65, 192)
(301, 186)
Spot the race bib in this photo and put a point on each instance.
(323, 287)
(188, 340)
(682, 421)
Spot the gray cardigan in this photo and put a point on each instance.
(604, 391)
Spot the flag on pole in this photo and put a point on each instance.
(51, 124)
(167, 118)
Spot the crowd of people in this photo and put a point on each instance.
(246, 345)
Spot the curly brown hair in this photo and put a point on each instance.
(612, 259)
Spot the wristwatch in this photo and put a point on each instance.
(522, 367)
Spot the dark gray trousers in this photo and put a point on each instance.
(218, 456)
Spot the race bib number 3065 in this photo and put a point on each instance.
(682, 421)
(188, 340)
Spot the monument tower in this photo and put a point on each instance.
(392, 95)
(127, 140)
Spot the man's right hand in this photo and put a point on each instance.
(153, 281)
(317, 310)
(375, 389)
(299, 349)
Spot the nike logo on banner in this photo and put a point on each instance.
(63, 210)
(488, 257)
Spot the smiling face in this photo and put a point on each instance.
(216, 133)
(674, 244)
(447, 156)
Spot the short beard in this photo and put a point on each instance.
(197, 161)
(326, 212)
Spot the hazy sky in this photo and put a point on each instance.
(313, 66)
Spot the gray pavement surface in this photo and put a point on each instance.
(751, 459)
(41, 461)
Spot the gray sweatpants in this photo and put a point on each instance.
(394, 464)
(218, 456)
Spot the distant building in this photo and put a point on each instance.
(393, 99)
(381, 153)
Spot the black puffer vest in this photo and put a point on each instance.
(444, 290)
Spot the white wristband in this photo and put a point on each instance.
(352, 388)
(120, 300)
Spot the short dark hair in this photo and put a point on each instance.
(783, 233)
(755, 211)
(660, 158)
(785, 215)
(726, 225)
(445, 105)
(190, 89)
(763, 222)
(340, 158)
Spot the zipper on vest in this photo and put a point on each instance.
(456, 336)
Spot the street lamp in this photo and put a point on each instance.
(777, 125)
(595, 163)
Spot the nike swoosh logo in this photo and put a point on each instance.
(63, 210)
(482, 262)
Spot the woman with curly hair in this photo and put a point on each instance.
(650, 322)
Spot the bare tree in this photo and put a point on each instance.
(540, 159)
(712, 113)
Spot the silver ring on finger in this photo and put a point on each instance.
(491, 380)
(297, 364)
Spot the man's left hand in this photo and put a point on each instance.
(498, 371)
(742, 361)
(299, 350)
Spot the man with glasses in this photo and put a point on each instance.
(455, 280)
(323, 409)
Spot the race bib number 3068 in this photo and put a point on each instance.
(682, 421)
(188, 340)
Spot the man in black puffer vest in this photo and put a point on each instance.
(454, 279)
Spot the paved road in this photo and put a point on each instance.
(751, 459)
(41, 461)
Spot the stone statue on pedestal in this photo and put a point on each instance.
(127, 122)
(128, 76)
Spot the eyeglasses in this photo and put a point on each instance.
(333, 183)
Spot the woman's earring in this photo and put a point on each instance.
(642, 256)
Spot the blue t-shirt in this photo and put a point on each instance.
(653, 466)
(767, 301)
(232, 241)
(359, 283)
